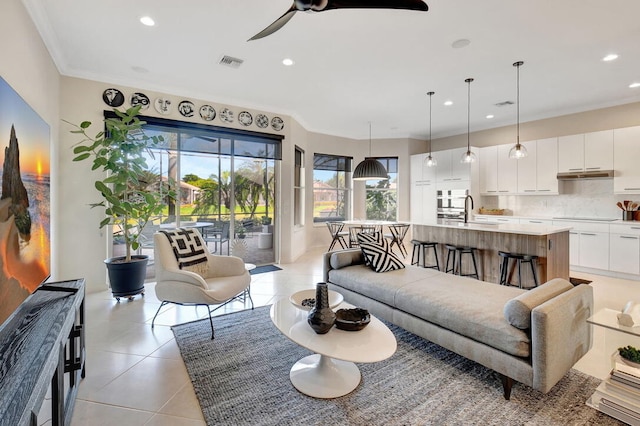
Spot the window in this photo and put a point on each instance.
(298, 187)
(331, 192)
(382, 195)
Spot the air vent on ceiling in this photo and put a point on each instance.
(505, 103)
(230, 61)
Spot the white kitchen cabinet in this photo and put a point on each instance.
(449, 168)
(423, 201)
(598, 150)
(574, 248)
(528, 169)
(586, 152)
(624, 248)
(507, 172)
(626, 152)
(588, 244)
(488, 170)
(571, 153)
(536, 221)
(503, 219)
(547, 166)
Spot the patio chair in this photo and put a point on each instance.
(218, 235)
(217, 280)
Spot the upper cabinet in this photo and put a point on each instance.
(489, 170)
(507, 171)
(449, 168)
(626, 152)
(586, 152)
(547, 166)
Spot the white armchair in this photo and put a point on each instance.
(225, 280)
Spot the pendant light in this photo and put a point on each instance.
(518, 151)
(468, 157)
(370, 168)
(430, 161)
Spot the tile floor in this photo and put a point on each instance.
(135, 375)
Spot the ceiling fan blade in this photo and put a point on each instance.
(377, 4)
(277, 24)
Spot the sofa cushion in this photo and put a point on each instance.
(359, 279)
(340, 259)
(468, 307)
(380, 257)
(518, 310)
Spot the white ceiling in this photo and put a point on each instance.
(355, 66)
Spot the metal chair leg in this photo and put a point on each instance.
(157, 312)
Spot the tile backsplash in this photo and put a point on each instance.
(578, 198)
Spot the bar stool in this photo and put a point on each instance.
(457, 252)
(415, 254)
(520, 259)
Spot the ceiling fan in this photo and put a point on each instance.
(322, 5)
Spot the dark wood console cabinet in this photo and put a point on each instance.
(41, 342)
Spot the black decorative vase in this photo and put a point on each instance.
(321, 318)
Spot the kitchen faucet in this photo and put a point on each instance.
(466, 209)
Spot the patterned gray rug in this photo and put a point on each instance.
(242, 378)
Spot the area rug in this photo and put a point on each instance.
(264, 268)
(578, 281)
(242, 378)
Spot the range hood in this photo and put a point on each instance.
(589, 174)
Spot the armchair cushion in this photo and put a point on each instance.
(189, 249)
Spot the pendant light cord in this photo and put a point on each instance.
(468, 81)
(369, 139)
(517, 65)
(430, 95)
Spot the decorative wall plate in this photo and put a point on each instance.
(113, 97)
(226, 115)
(207, 112)
(262, 121)
(186, 108)
(277, 124)
(245, 118)
(140, 99)
(162, 105)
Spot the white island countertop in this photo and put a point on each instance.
(506, 228)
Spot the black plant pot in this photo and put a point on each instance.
(127, 278)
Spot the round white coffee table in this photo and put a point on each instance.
(331, 371)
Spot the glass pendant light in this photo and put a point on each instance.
(430, 161)
(518, 151)
(468, 157)
(370, 168)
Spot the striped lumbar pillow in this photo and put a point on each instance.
(380, 257)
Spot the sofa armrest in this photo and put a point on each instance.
(340, 259)
(560, 335)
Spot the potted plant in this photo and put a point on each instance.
(129, 199)
(266, 225)
(240, 232)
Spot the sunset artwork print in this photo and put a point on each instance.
(24, 201)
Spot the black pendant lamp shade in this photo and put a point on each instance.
(370, 168)
(468, 156)
(430, 161)
(518, 151)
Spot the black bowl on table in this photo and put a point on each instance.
(352, 319)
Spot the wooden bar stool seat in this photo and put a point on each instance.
(519, 259)
(455, 267)
(424, 245)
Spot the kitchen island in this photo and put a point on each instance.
(549, 243)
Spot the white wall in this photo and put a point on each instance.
(28, 68)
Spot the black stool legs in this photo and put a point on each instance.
(519, 258)
(415, 254)
(457, 252)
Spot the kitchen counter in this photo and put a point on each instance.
(509, 228)
(549, 243)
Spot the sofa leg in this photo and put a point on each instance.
(507, 383)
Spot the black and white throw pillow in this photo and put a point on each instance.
(188, 248)
(370, 237)
(379, 257)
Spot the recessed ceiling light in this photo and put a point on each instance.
(448, 103)
(490, 116)
(139, 69)
(148, 21)
(634, 85)
(287, 62)
(463, 42)
(610, 57)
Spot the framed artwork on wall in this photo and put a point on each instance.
(24, 201)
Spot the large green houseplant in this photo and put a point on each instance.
(129, 199)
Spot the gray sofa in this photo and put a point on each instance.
(533, 337)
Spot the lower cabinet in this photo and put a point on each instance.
(594, 248)
(624, 249)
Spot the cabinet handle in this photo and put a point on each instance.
(632, 189)
(593, 168)
(492, 191)
(573, 233)
(529, 190)
(586, 233)
(544, 190)
(573, 170)
(628, 238)
(504, 191)
(534, 221)
(635, 227)
(456, 179)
